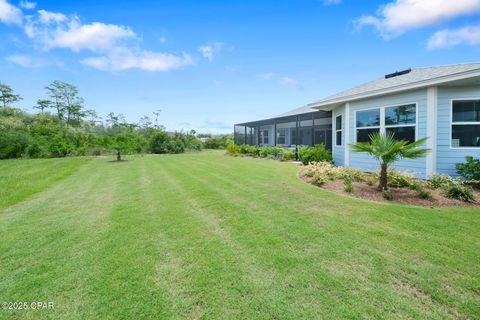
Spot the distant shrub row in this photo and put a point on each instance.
(306, 154)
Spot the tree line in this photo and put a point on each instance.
(64, 126)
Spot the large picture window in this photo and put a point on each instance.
(400, 120)
(367, 122)
(338, 130)
(466, 123)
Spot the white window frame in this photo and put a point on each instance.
(403, 125)
(382, 125)
(371, 127)
(337, 130)
(460, 123)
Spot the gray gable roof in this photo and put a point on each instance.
(417, 75)
(301, 110)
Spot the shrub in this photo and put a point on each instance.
(233, 149)
(371, 179)
(387, 194)
(436, 181)
(316, 153)
(288, 154)
(319, 179)
(470, 170)
(329, 171)
(347, 185)
(457, 190)
(398, 179)
(424, 194)
(159, 142)
(275, 151)
(264, 151)
(195, 145)
(244, 149)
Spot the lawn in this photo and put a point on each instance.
(207, 236)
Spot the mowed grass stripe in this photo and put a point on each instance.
(48, 240)
(20, 179)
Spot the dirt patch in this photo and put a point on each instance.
(401, 195)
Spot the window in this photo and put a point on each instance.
(466, 123)
(338, 130)
(281, 134)
(401, 121)
(263, 137)
(367, 122)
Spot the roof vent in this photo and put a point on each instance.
(397, 73)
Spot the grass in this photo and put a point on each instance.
(207, 236)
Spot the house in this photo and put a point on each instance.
(439, 102)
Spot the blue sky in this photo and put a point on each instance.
(209, 64)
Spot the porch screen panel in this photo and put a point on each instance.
(323, 129)
(239, 135)
(305, 129)
(286, 134)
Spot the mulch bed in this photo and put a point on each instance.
(400, 195)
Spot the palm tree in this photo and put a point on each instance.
(386, 149)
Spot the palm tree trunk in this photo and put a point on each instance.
(382, 186)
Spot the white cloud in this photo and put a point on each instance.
(117, 47)
(29, 5)
(211, 50)
(47, 17)
(452, 37)
(55, 30)
(289, 82)
(22, 60)
(395, 18)
(123, 58)
(10, 14)
(163, 40)
(28, 61)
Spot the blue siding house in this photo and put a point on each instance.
(439, 102)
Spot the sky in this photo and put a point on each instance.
(209, 64)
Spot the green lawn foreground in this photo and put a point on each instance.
(208, 236)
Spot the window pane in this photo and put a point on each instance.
(338, 140)
(400, 115)
(281, 133)
(363, 135)
(403, 133)
(338, 123)
(263, 137)
(466, 111)
(466, 136)
(369, 118)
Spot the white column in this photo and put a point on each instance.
(431, 158)
(334, 128)
(346, 123)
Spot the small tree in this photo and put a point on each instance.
(7, 96)
(43, 104)
(387, 150)
(122, 143)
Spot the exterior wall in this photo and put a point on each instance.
(338, 152)
(368, 163)
(446, 156)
